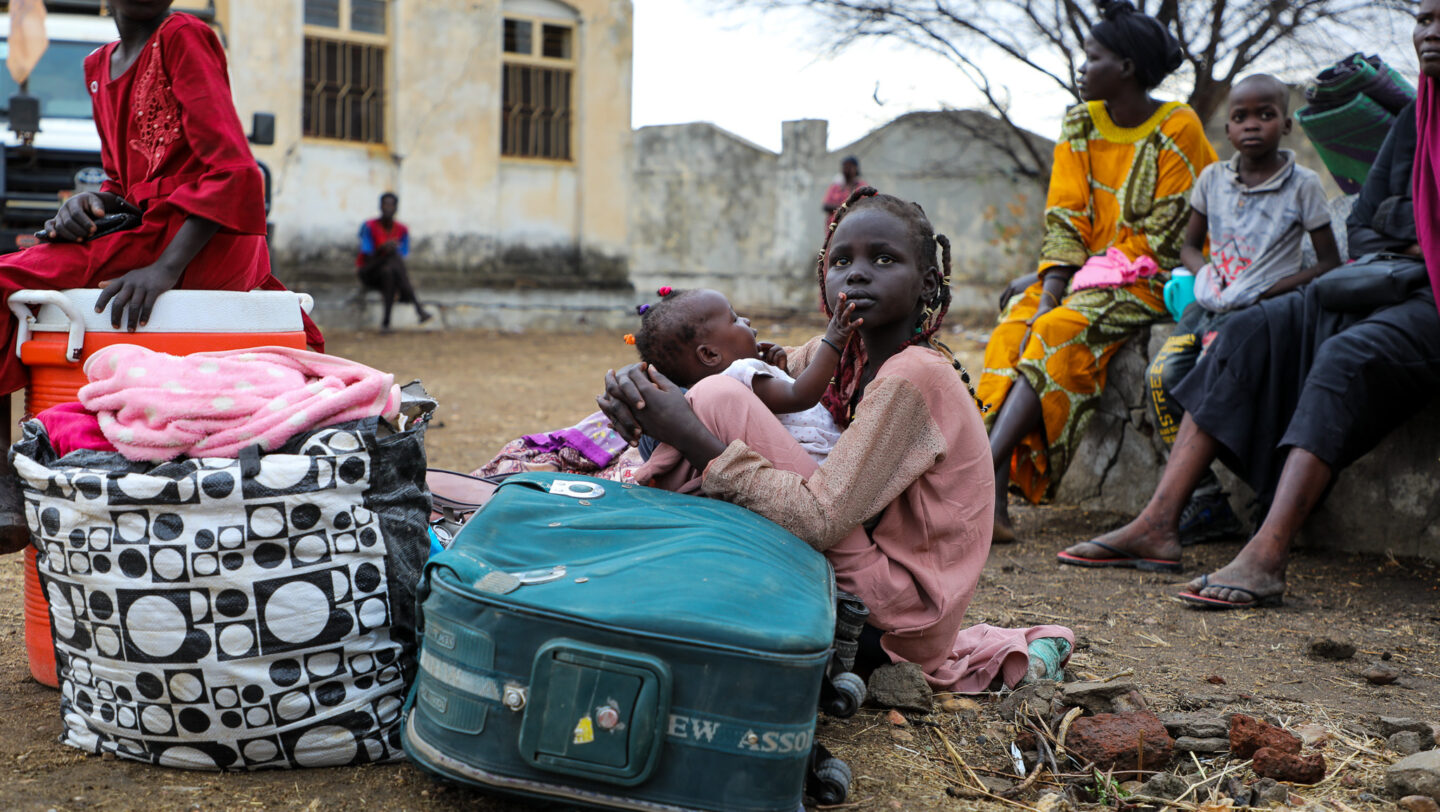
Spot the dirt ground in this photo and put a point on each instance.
(495, 386)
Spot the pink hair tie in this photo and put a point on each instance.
(665, 291)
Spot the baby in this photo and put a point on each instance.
(692, 334)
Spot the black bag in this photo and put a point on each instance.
(1372, 281)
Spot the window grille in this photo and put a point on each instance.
(537, 89)
(344, 90)
(536, 112)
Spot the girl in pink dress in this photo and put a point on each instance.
(904, 505)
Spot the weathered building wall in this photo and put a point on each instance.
(476, 219)
(711, 209)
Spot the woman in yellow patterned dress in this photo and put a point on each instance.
(1121, 179)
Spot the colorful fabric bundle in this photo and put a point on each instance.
(1351, 107)
(588, 447)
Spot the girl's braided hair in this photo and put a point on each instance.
(842, 387)
(667, 330)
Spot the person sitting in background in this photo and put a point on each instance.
(1292, 392)
(848, 181)
(1114, 219)
(384, 245)
(1254, 209)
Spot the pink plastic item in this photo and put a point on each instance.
(1112, 270)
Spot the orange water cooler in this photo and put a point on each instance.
(58, 330)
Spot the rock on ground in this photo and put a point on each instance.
(1193, 744)
(900, 685)
(1123, 742)
(1248, 734)
(960, 704)
(1286, 766)
(1028, 700)
(1119, 696)
(1415, 775)
(1268, 791)
(1195, 725)
(1327, 649)
(1418, 803)
(1165, 785)
(1408, 742)
(1380, 673)
(1390, 725)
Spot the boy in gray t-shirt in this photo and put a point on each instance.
(1254, 208)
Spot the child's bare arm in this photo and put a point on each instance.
(1327, 256)
(1192, 250)
(784, 397)
(142, 286)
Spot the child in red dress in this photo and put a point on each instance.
(176, 155)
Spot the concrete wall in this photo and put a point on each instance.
(476, 219)
(711, 209)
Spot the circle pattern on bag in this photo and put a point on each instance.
(210, 617)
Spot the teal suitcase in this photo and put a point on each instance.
(618, 646)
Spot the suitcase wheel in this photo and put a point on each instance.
(830, 781)
(847, 696)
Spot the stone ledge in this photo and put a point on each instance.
(1388, 502)
(481, 308)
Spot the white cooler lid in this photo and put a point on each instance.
(179, 311)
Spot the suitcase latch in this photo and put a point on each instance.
(576, 488)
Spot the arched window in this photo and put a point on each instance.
(538, 82)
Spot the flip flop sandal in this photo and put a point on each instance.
(1121, 559)
(1257, 601)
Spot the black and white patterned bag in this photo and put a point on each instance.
(243, 613)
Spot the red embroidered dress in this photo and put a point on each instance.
(172, 144)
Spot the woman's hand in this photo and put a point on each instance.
(1052, 292)
(773, 354)
(137, 290)
(75, 221)
(1016, 287)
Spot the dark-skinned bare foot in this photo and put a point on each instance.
(1242, 584)
(1143, 544)
(1004, 531)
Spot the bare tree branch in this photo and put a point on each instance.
(987, 40)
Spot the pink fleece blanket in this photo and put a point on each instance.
(155, 406)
